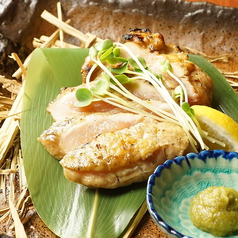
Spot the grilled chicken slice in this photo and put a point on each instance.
(130, 155)
(198, 84)
(151, 42)
(63, 106)
(67, 134)
(154, 50)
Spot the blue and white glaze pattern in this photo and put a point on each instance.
(172, 186)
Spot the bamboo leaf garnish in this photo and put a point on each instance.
(72, 205)
(225, 98)
(141, 212)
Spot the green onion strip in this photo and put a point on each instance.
(180, 83)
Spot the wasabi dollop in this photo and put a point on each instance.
(215, 210)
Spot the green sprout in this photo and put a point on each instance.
(186, 107)
(178, 93)
(84, 97)
(135, 65)
(165, 66)
(119, 71)
(101, 86)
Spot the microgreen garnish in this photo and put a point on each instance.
(165, 66)
(135, 65)
(123, 79)
(84, 97)
(186, 107)
(184, 91)
(101, 86)
(93, 52)
(179, 93)
(107, 54)
(118, 71)
(103, 45)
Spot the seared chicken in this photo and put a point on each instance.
(151, 42)
(153, 49)
(106, 146)
(198, 84)
(64, 107)
(67, 134)
(130, 155)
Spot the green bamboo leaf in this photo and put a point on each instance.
(225, 98)
(68, 209)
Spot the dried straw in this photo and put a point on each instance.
(12, 165)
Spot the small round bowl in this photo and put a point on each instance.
(172, 186)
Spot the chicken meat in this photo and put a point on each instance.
(67, 134)
(64, 107)
(152, 48)
(105, 145)
(126, 156)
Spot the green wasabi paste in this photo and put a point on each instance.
(215, 210)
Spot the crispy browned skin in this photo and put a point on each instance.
(126, 156)
(152, 42)
(143, 38)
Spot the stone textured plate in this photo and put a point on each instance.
(201, 26)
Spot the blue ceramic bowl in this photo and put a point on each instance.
(172, 186)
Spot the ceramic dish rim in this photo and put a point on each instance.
(203, 155)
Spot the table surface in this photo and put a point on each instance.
(226, 3)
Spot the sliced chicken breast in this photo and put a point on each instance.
(63, 106)
(67, 134)
(116, 159)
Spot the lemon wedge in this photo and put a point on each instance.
(219, 126)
